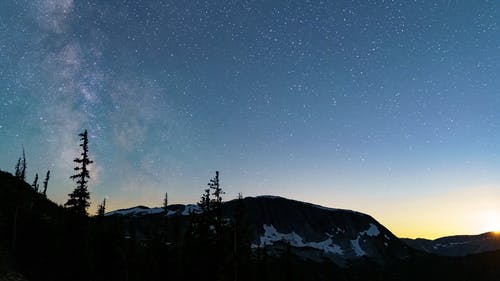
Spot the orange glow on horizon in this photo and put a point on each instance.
(462, 211)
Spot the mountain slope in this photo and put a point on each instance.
(459, 245)
(319, 232)
(315, 232)
(26, 219)
(140, 210)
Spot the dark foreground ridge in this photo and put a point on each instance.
(261, 238)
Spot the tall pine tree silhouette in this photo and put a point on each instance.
(165, 219)
(35, 184)
(165, 203)
(78, 200)
(218, 253)
(101, 210)
(217, 192)
(18, 168)
(45, 183)
(21, 167)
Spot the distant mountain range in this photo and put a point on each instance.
(459, 245)
(318, 232)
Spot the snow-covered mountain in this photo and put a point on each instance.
(314, 232)
(459, 245)
(318, 232)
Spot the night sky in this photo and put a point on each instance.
(387, 107)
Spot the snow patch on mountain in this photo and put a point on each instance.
(372, 231)
(136, 211)
(271, 235)
(191, 209)
(327, 246)
(339, 230)
(143, 210)
(357, 248)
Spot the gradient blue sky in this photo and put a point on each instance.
(387, 107)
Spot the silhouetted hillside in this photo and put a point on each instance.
(28, 226)
(458, 245)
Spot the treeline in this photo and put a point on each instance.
(20, 173)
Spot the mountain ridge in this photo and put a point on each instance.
(271, 231)
(316, 231)
(457, 245)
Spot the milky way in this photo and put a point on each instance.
(335, 102)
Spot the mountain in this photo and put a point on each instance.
(291, 240)
(138, 211)
(317, 232)
(459, 245)
(314, 232)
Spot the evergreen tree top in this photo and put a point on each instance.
(79, 198)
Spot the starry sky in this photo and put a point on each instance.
(387, 107)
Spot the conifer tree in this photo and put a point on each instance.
(78, 200)
(216, 202)
(165, 203)
(219, 228)
(21, 167)
(18, 168)
(217, 190)
(45, 183)
(35, 184)
(101, 210)
(165, 221)
(203, 220)
(241, 240)
(35, 187)
(205, 202)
